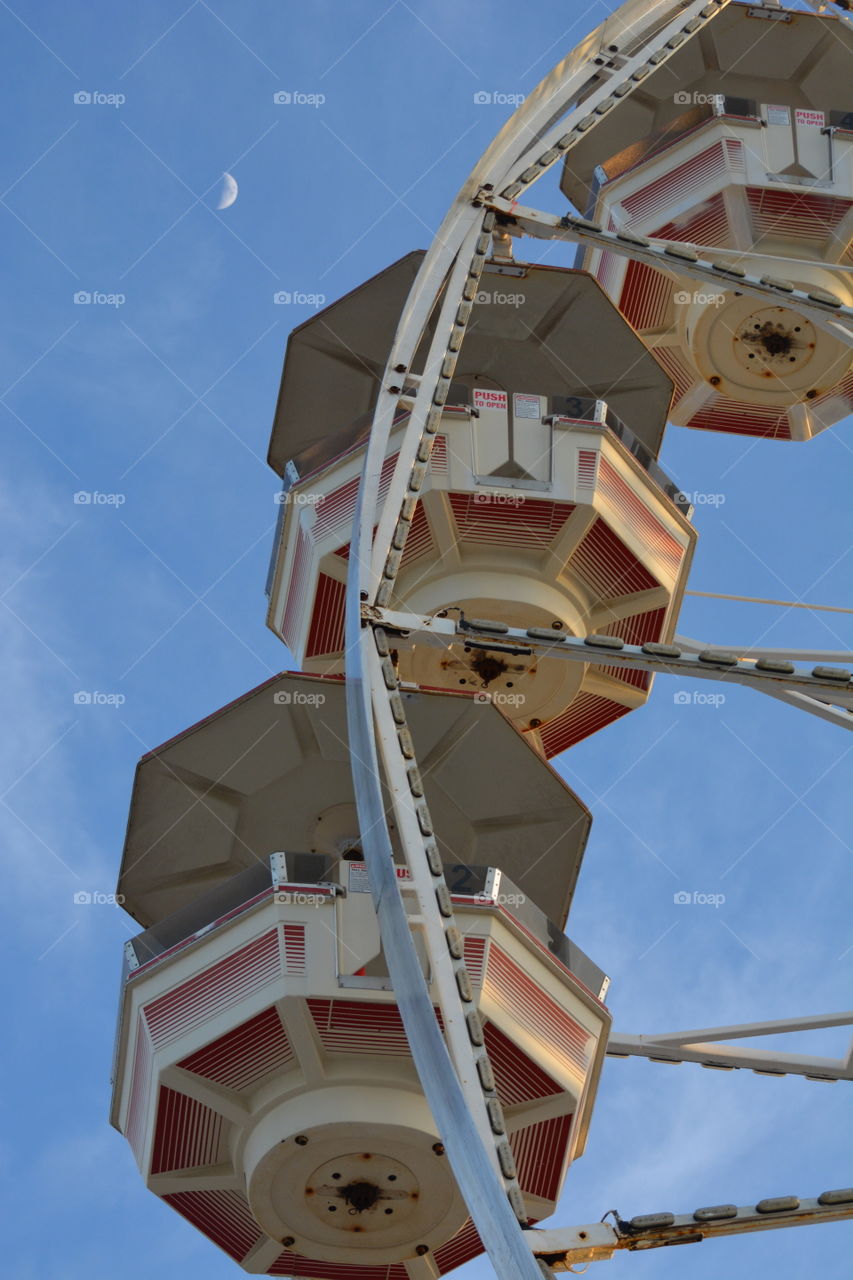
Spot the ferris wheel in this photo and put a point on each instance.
(355, 1042)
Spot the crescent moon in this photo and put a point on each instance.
(229, 192)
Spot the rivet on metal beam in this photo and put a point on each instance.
(604, 642)
(474, 1024)
(454, 942)
(496, 1115)
(715, 1213)
(543, 633)
(824, 296)
(681, 251)
(433, 858)
(773, 283)
(484, 1071)
(775, 666)
(714, 659)
(485, 624)
(778, 1204)
(845, 1196)
(389, 675)
(629, 237)
(445, 905)
(655, 650)
(506, 1161)
(647, 1221)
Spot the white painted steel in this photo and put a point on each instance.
(563, 1247)
(424, 883)
(549, 226)
(449, 1102)
(813, 693)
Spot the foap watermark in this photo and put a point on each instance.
(697, 499)
(94, 498)
(497, 98)
(705, 298)
(96, 898)
(97, 298)
(697, 899)
(494, 298)
(95, 98)
(685, 99)
(501, 899)
(291, 499)
(296, 98)
(695, 698)
(501, 699)
(296, 698)
(95, 698)
(499, 499)
(284, 898)
(296, 298)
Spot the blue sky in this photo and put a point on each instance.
(163, 402)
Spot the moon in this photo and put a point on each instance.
(229, 192)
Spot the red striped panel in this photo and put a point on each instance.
(606, 566)
(293, 1264)
(335, 513)
(219, 987)
(475, 958)
(242, 1057)
(359, 1026)
(587, 468)
(223, 1216)
(343, 551)
(644, 301)
(682, 374)
(717, 161)
(461, 1248)
(510, 989)
(540, 1153)
(607, 272)
(140, 1090)
(533, 523)
(297, 591)
(844, 390)
(518, 1077)
(438, 457)
(740, 418)
(586, 715)
(638, 517)
(294, 948)
(707, 223)
(639, 629)
(326, 632)
(187, 1135)
(637, 679)
(791, 214)
(419, 542)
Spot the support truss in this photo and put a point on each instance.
(704, 1048)
(562, 1248)
(826, 691)
(679, 259)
